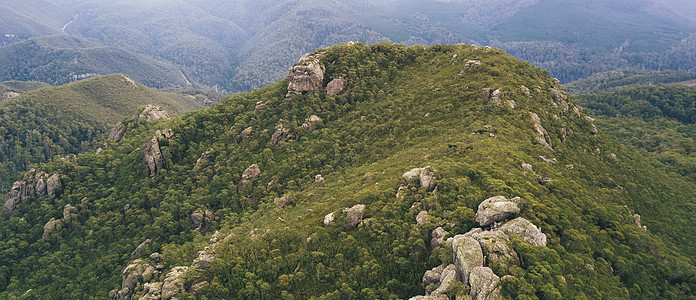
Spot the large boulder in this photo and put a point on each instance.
(448, 276)
(466, 254)
(280, 135)
(437, 237)
(311, 122)
(335, 86)
(138, 252)
(69, 212)
(541, 133)
(152, 153)
(484, 284)
(496, 250)
(117, 132)
(424, 176)
(524, 229)
(250, 174)
(53, 185)
(496, 209)
(152, 113)
(173, 284)
(50, 226)
(134, 276)
(202, 219)
(204, 259)
(306, 75)
(431, 279)
(355, 214)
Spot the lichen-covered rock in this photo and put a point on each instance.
(467, 255)
(524, 229)
(484, 284)
(541, 133)
(138, 252)
(50, 226)
(134, 276)
(202, 219)
(310, 122)
(69, 212)
(306, 75)
(496, 209)
(203, 259)
(425, 176)
(319, 181)
(152, 153)
(197, 286)
(335, 86)
(53, 184)
(117, 132)
(437, 237)
(152, 291)
(431, 279)
(152, 113)
(355, 214)
(280, 135)
(250, 174)
(448, 276)
(420, 218)
(329, 218)
(173, 284)
(496, 250)
(244, 134)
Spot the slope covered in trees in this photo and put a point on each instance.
(230, 204)
(39, 124)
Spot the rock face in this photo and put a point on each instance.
(355, 215)
(310, 123)
(133, 276)
(51, 226)
(467, 255)
(496, 209)
(280, 135)
(425, 176)
(173, 284)
(307, 75)
(335, 86)
(69, 212)
(138, 252)
(250, 174)
(496, 250)
(117, 133)
(484, 284)
(152, 153)
(153, 113)
(542, 134)
(524, 229)
(437, 238)
(202, 219)
(34, 184)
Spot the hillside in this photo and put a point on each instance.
(60, 59)
(72, 118)
(24, 19)
(305, 189)
(622, 79)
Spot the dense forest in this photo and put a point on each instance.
(227, 203)
(38, 125)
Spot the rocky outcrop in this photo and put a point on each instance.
(593, 128)
(496, 250)
(245, 134)
(311, 122)
(472, 64)
(203, 259)
(437, 280)
(484, 284)
(138, 252)
(133, 278)
(424, 176)
(335, 86)
(117, 132)
(541, 133)
(284, 201)
(319, 181)
(250, 174)
(50, 226)
(467, 255)
(355, 215)
(69, 212)
(173, 284)
(420, 218)
(306, 75)
(202, 219)
(152, 153)
(9, 95)
(496, 209)
(280, 135)
(437, 237)
(329, 218)
(524, 229)
(152, 113)
(34, 184)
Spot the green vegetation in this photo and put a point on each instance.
(22, 86)
(404, 107)
(43, 123)
(623, 79)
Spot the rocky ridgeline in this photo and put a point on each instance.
(149, 114)
(475, 252)
(34, 184)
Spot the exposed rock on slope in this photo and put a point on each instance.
(496, 209)
(33, 185)
(153, 157)
(335, 86)
(153, 113)
(306, 75)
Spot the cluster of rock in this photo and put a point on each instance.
(202, 219)
(475, 252)
(311, 122)
(141, 275)
(354, 215)
(541, 134)
(250, 174)
(149, 114)
(9, 95)
(308, 75)
(53, 225)
(152, 154)
(34, 184)
(494, 96)
(280, 135)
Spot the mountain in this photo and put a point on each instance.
(40, 124)
(24, 19)
(60, 59)
(622, 79)
(372, 171)
(241, 45)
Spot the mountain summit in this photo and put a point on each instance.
(371, 172)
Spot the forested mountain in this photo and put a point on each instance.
(623, 79)
(40, 124)
(368, 166)
(241, 45)
(23, 19)
(60, 59)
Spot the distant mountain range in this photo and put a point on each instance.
(246, 44)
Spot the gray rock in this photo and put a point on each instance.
(425, 176)
(527, 167)
(9, 95)
(50, 226)
(152, 113)
(245, 134)
(430, 297)
(524, 229)
(467, 255)
(496, 250)
(202, 219)
(152, 154)
(593, 128)
(53, 184)
(280, 135)
(134, 276)
(307, 75)
(472, 64)
(541, 133)
(250, 174)
(203, 260)
(437, 238)
(484, 284)
(335, 86)
(496, 209)
(448, 276)
(420, 218)
(152, 291)
(117, 132)
(495, 97)
(284, 201)
(319, 180)
(432, 277)
(173, 284)
(138, 252)
(310, 122)
(69, 212)
(329, 218)
(197, 286)
(355, 214)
